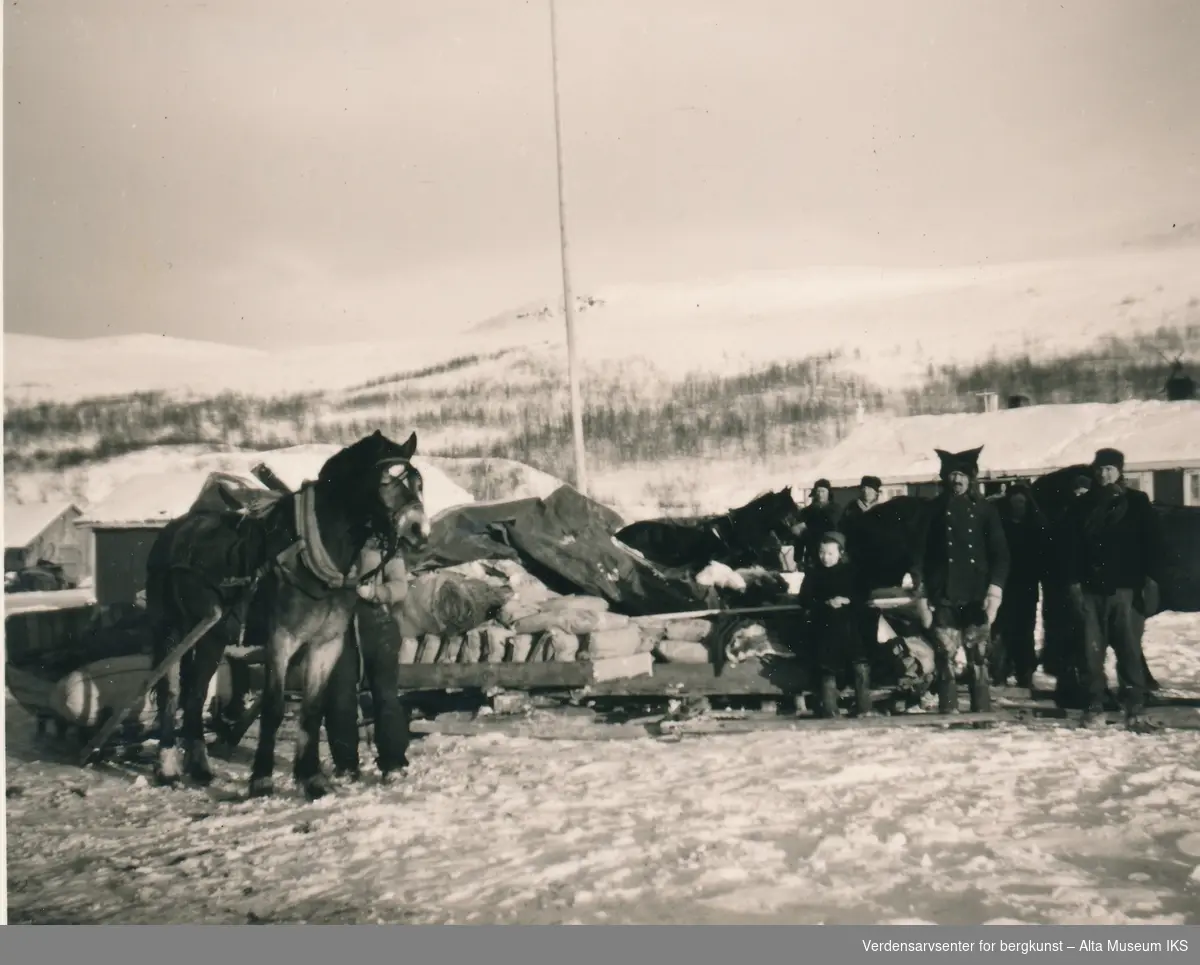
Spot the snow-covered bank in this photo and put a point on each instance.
(951, 827)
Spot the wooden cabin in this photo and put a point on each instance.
(1161, 442)
(34, 532)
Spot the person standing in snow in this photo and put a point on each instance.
(834, 609)
(816, 519)
(1026, 531)
(1113, 548)
(371, 653)
(868, 496)
(961, 569)
(857, 547)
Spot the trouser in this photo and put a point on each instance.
(1013, 634)
(954, 626)
(1063, 654)
(1109, 621)
(378, 642)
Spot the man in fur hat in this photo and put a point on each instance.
(960, 571)
(1113, 547)
(868, 496)
(815, 520)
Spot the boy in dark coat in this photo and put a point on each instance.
(959, 577)
(836, 609)
(1113, 546)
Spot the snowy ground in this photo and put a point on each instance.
(1013, 825)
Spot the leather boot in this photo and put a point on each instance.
(862, 690)
(947, 692)
(829, 696)
(981, 689)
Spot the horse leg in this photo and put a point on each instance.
(167, 772)
(281, 647)
(306, 767)
(205, 660)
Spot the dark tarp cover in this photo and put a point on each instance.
(566, 541)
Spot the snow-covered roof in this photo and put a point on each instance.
(1023, 441)
(154, 499)
(25, 522)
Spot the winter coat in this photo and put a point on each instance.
(817, 520)
(1113, 541)
(1029, 547)
(964, 551)
(834, 632)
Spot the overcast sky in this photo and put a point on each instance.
(237, 169)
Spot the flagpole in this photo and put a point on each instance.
(568, 296)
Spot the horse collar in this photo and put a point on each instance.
(312, 548)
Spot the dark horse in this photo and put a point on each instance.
(746, 536)
(288, 575)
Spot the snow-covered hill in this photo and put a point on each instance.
(890, 325)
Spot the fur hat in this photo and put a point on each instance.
(966, 462)
(1109, 457)
(872, 482)
(822, 482)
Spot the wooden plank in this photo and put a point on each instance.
(705, 726)
(484, 676)
(778, 678)
(783, 676)
(535, 729)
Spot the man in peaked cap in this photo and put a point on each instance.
(1113, 551)
(868, 496)
(959, 576)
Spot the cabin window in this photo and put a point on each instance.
(1141, 480)
(1193, 489)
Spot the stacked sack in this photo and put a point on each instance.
(497, 612)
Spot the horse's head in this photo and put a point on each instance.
(766, 522)
(376, 475)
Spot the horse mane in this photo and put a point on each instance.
(350, 477)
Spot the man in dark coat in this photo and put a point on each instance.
(815, 520)
(868, 496)
(1026, 530)
(959, 577)
(371, 653)
(1114, 545)
(858, 549)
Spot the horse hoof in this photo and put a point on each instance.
(317, 787)
(350, 775)
(166, 780)
(202, 775)
(262, 787)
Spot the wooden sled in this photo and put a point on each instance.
(138, 700)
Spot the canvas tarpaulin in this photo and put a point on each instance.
(566, 541)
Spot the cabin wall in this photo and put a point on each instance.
(1169, 487)
(120, 561)
(61, 542)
